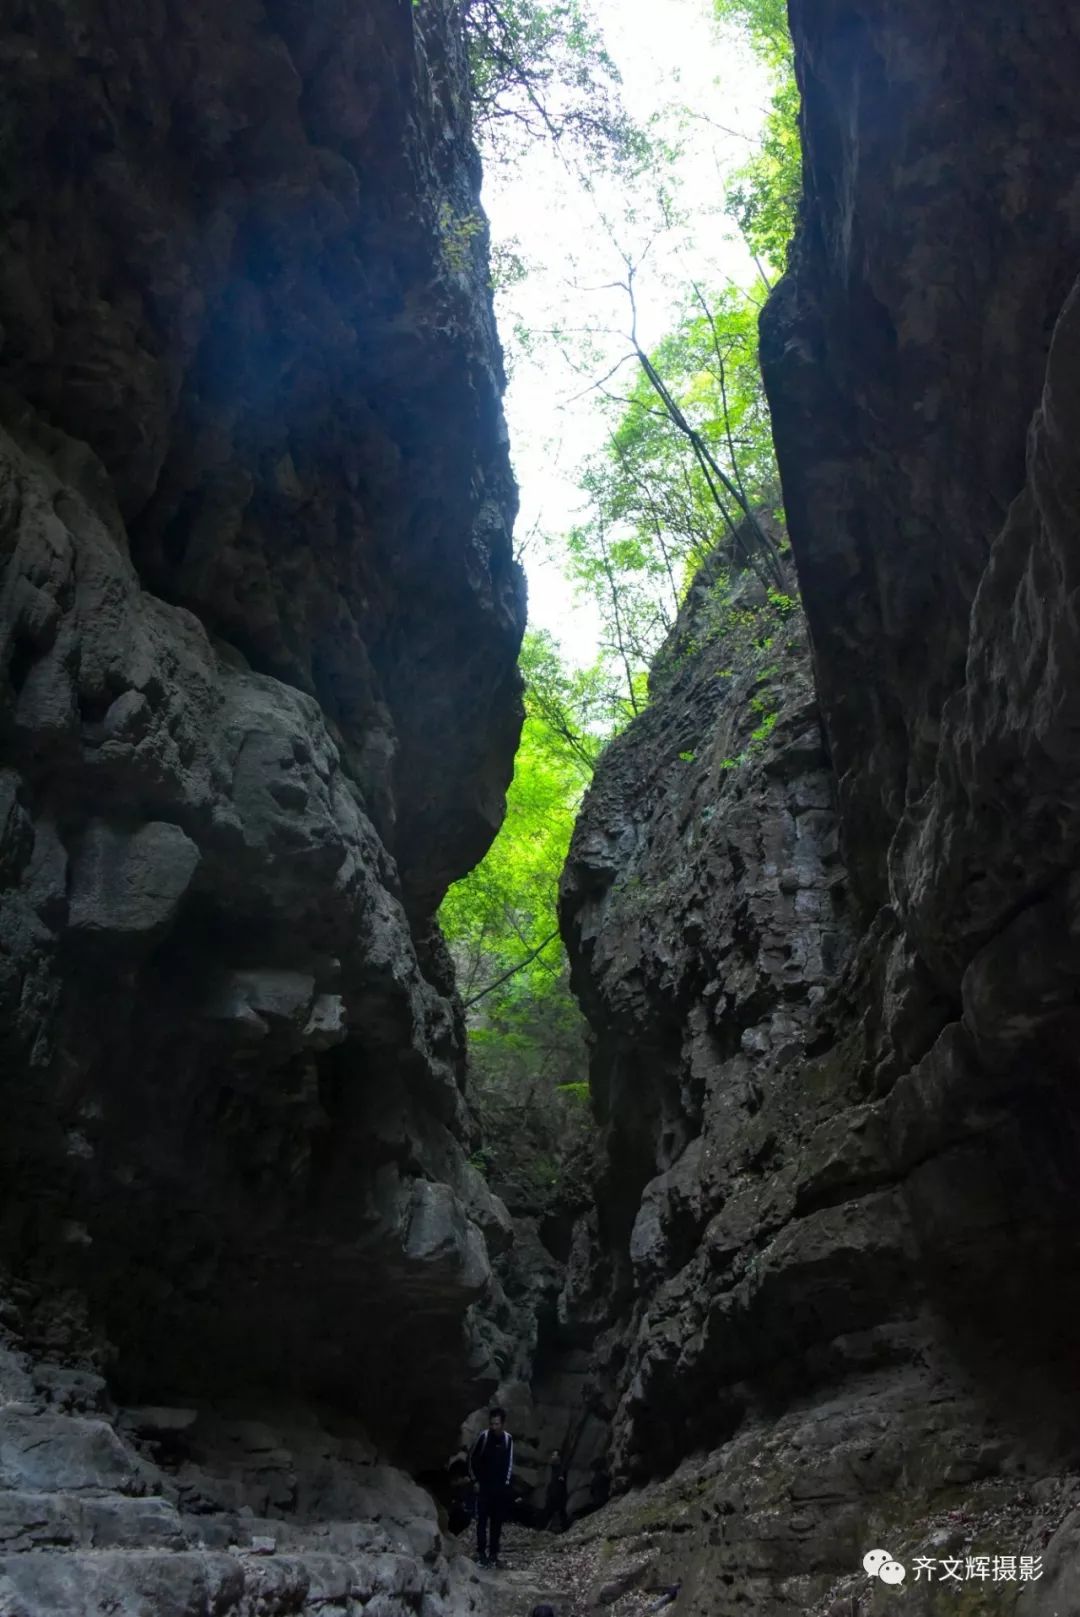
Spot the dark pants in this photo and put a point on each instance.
(557, 1519)
(490, 1511)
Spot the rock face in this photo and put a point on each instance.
(837, 1236)
(706, 914)
(961, 798)
(188, 1511)
(539, 1147)
(258, 700)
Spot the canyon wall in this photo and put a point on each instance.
(258, 707)
(832, 973)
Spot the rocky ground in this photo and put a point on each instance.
(187, 1512)
(996, 1519)
(578, 1573)
(625, 1560)
(538, 1567)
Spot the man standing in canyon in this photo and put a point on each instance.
(491, 1466)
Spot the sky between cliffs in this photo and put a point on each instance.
(708, 95)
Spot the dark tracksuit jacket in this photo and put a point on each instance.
(491, 1461)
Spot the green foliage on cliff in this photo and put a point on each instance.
(764, 21)
(501, 921)
(764, 195)
(688, 468)
(687, 472)
(502, 916)
(570, 710)
(680, 472)
(527, 1056)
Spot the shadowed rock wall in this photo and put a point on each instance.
(837, 1236)
(930, 479)
(258, 700)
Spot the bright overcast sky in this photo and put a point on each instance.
(671, 56)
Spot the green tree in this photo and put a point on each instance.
(765, 23)
(572, 711)
(688, 465)
(763, 197)
(501, 920)
(541, 71)
(501, 917)
(527, 1051)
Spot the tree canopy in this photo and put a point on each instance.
(502, 917)
(541, 71)
(688, 463)
(526, 1034)
(764, 196)
(685, 472)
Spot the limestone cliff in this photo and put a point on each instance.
(831, 1278)
(258, 705)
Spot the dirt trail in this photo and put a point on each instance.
(575, 1573)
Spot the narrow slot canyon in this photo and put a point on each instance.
(614, 963)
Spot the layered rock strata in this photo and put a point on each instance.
(188, 1511)
(837, 1236)
(706, 913)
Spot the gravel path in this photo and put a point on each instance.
(568, 1571)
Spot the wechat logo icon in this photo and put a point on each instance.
(880, 1564)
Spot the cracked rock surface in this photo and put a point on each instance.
(185, 1512)
(259, 620)
(834, 988)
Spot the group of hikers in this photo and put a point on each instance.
(487, 1488)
